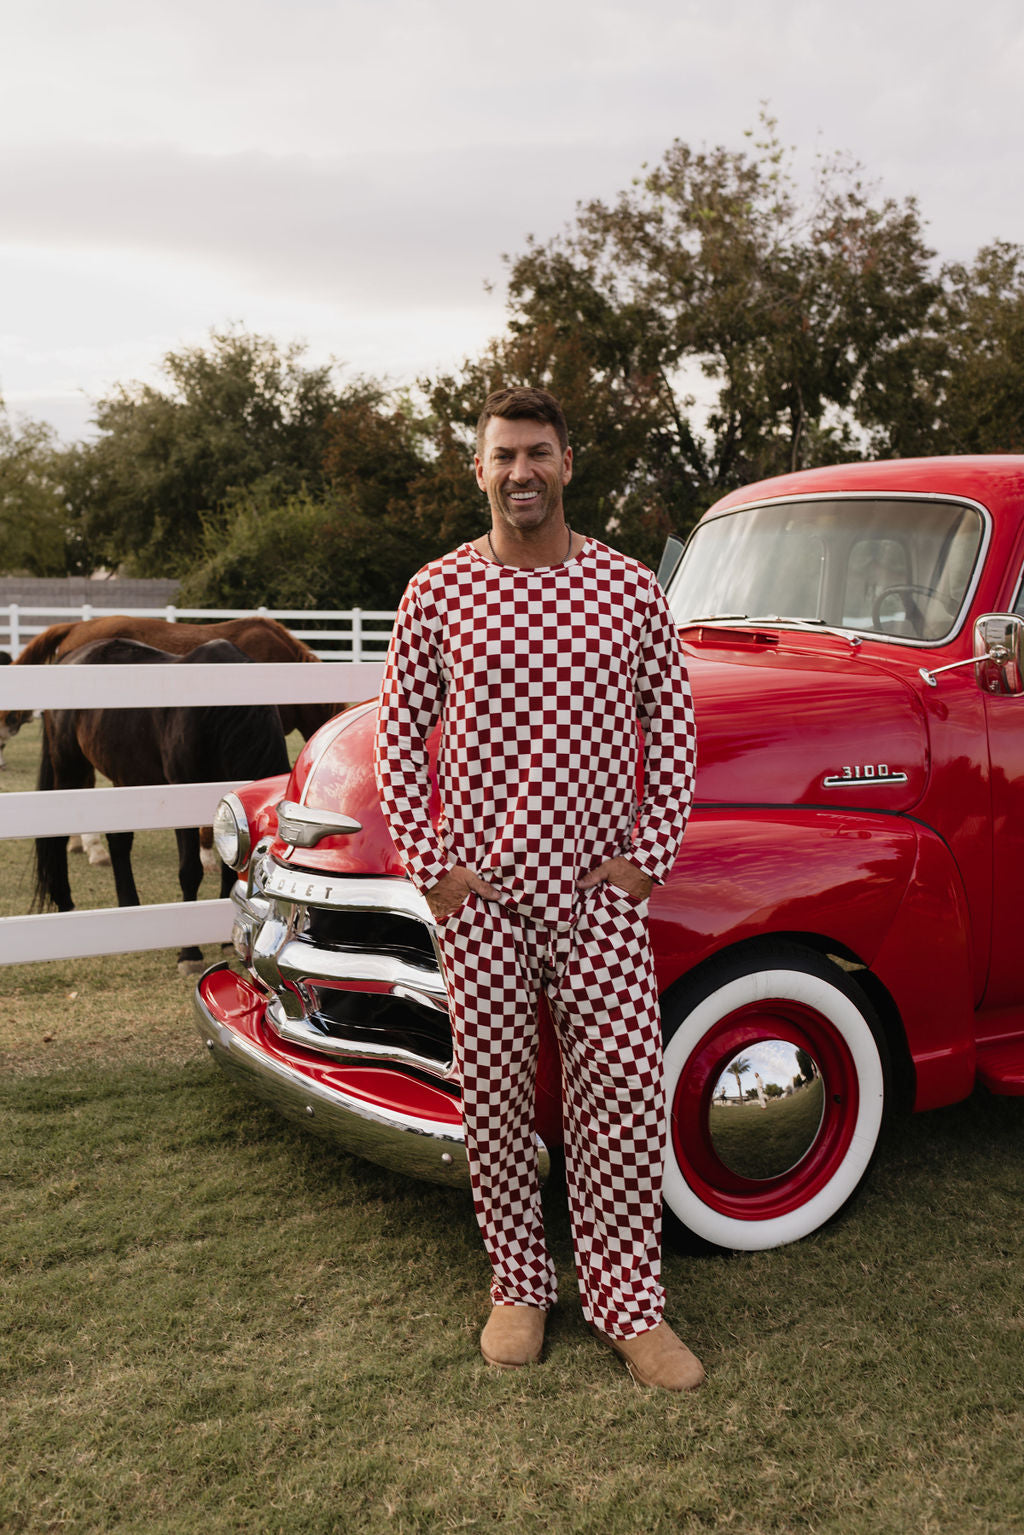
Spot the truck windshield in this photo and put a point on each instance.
(882, 565)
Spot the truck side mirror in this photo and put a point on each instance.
(999, 650)
(998, 655)
(671, 555)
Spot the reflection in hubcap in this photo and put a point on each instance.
(766, 1109)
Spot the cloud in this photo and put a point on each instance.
(416, 228)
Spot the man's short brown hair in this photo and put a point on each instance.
(522, 404)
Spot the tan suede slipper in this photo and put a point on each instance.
(657, 1358)
(513, 1336)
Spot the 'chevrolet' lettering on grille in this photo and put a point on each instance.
(298, 888)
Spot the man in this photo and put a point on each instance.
(541, 651)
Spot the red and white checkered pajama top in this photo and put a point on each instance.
(540, 678)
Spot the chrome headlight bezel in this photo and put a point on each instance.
(231, 837)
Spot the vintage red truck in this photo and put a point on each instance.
(839, 934)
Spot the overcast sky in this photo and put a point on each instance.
(349, 172)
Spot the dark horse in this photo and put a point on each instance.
(150, 746)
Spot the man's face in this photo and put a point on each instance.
(523, 470)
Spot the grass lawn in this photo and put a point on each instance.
(214, 1323)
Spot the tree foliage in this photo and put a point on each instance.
(352, 544)
(236, 413)
(710, 327)
(722, 321)
(614, 426)
(957, 386)
(34, 534)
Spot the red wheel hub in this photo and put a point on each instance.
(719, 1187)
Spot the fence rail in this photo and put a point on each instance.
(337, 634)
(138, 687)
(72, 935)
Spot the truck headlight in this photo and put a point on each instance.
(231, 832)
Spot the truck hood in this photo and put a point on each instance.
(777, 724)
(780, 723)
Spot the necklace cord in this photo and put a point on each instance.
(494, 557)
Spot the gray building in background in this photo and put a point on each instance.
(29, 604)
(73, 591)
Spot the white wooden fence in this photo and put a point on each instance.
(338, 634)
(69, 935)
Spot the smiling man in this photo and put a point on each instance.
(541, 652)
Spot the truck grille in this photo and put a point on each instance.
(351, 967)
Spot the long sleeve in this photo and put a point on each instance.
(410, 705)
(665, 711)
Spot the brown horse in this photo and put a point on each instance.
(150, 746)
(261, 639)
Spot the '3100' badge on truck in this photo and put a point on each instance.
(867, 772)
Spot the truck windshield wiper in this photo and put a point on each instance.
(765, 618)
(782, 618)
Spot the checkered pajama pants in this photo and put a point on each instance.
(598, 978)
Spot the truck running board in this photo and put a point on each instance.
(1001, 1067)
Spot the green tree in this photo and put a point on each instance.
(715, 276)
(34, 536)
(353, 543)
(300, 551)
(958, 386)
(233, 414)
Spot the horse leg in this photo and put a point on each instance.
(211, 863)
(62, 765)
(228, 877)
(120, 846)
(91, 844)
(190, 874)
(95, 852)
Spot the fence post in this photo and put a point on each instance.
(15, 631)
(171, 613)
(357, 634)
